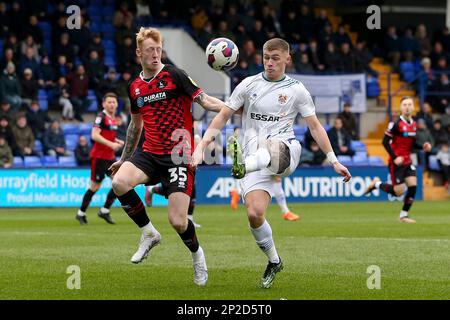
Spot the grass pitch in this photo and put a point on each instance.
(326, 254)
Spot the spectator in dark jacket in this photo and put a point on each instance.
(331, 58)
(82, 152)
(5, 130)
(7, 57)
(79, 83)
(29, 61)
(10, 87)
(392, 46)
(408, 45)
(64, 47)
(61, 67)
(340, 139)
(349, 121)
(46, 77)
(439, 134)
(125, 54)
(54, 140)
(24, 137)
(30, 87)
(61, 98)
(6, 156)
(110, 84)
(95, 69)
(37, 119)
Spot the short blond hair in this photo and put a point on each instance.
(276, 43)
(146, 33)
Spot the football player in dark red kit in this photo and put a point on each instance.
(161, 98)
(399, 140)
(102, 157)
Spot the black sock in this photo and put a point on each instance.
(134, 207)
(110, 199)
(159, 190)
(191, 207)
(388, 188)
(189, 237)
(409, 198)
(87, 199)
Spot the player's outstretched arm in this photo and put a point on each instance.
(320, 136)
(214, 128)
(209, 103)
(132, 139)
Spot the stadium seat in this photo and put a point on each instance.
(85, 129)
(299, 130)
(42, 94)
(360, 160)
(376, 161)
(93, 107)
(49, 161)
(70, 128)
(32, 162)
(345, 160)
(358, 145)
(433, 164)
(18, 162)
(361, 154)
(43, 104)
(71, 141)
(38, 147)
(407, 70)
(67, 161)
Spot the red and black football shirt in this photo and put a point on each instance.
(403, 135)
(165, 105)
(108, 127)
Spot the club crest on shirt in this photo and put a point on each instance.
(282, 98)
(161, 84)
(137, 92)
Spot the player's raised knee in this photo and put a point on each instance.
(120, 184)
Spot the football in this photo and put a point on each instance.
(222, 54)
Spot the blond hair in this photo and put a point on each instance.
(276, 43)
(146, 33)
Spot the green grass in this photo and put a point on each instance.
(326, 254)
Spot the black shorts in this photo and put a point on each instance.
(99, 169)
(160, 168)
(399, 173)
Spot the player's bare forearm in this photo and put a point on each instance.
(216, 126)
(132, 139)
(97, 137)
(319, 134)
(209, 103)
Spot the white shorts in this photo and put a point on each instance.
(264, 179)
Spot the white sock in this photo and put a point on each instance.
(258, 160)
(196, 256)
(104, 210)
(81, 213)
(378, 184)
(403, 214)
(281, 198)
(264, 240)
(149, 229)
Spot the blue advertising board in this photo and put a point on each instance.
(66, 187)
(306, 184)
(53, 188)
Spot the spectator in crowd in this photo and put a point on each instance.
(29, 45)
(392, 46)
(324, 37)
(10, 87)
(438, 52)
(125, 54)
(7, 57)
(306, 22)
(224, 31)
(206, 34)
(54, 141)
(198, 19)
(439, 133)
(81, 36)
(240, 72)
(62, 69)
(346, 58)
(109, 84)
(46, 76)
(331, 58)
(340, 139)
(314, 56)
(29, 61)
(79, 84)
(304, 66)
(59, 25)
(126, 30)
(248, 51)
(426, 114)
(408, 45)
(34, 30)
(62, 99)
(441, 102)
(122, 89)
(322, 20)
(13, 43)
(5, 130)
(268, 20)
(423, 40)
(232, 18)
(257, 65)
(95, 44)
(442, 65)
(444, 38)
(363, 57)
(349, 121)
(30, 87)
(24, 137)
(82, 152)
(6, 156)
(37, 119)
(258, 34)
(6, 111)
(95, 69)
(66, 48)
(445, 118)
(341, 36)
(290, 27)
(443, 157)
(423, 135)
(122, 14)
(427, 77)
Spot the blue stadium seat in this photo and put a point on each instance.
(97, 18)
(42, 94)
(71, 141)
(43, 103)
(18, 162)
(32, 161)
(108, 44)
(345, 160)
(373, 88)
(433, 163)
(95, 26)
(360, 160)
(85, 129)
(110, 62)
(376, 161)
(407, 70)
(38, 147)
(45, 26)
(326, 127)
(299, 130)
(67, 161)
(93, 107)
(361, 154)
(358, 145)
(49, 161)
(70, 128)
(107, 11)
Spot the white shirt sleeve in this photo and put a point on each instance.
(237, 98)
(305, 104)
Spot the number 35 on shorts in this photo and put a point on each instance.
(178, 174)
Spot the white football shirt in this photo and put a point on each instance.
(270, 108)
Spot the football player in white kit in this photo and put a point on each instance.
(271, 101)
